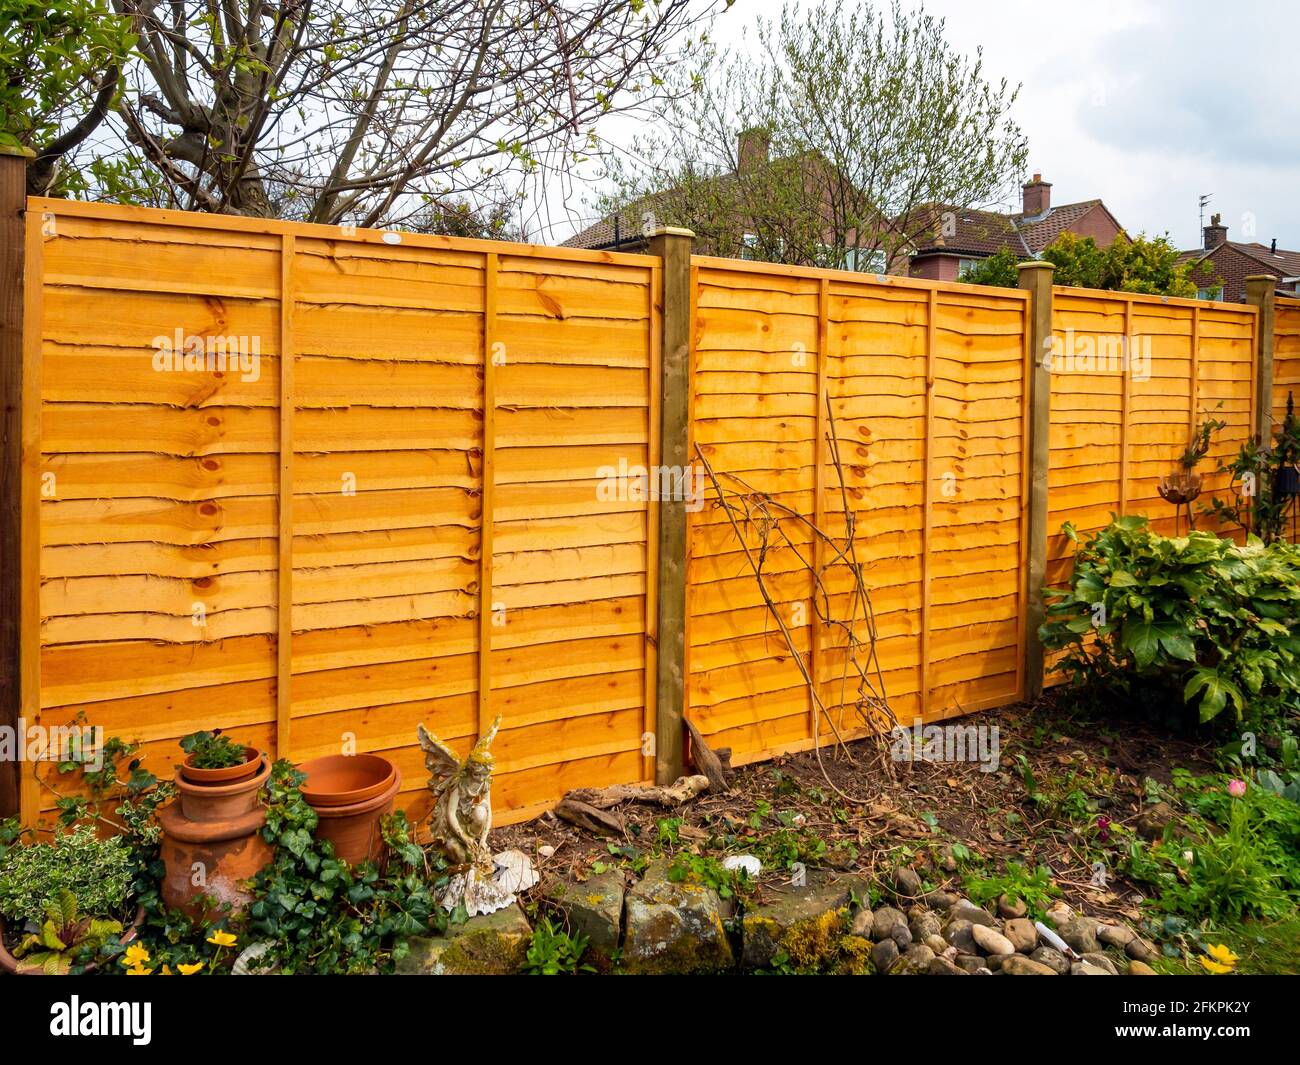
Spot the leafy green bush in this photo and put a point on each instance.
(97, 871)
(65, 937)
(321, 915)
(1196, 619)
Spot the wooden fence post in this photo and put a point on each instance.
(13, 214)
(673, 246)
(1036, 279)
(1261, 292)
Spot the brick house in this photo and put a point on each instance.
(1220, 266)
(961, 238)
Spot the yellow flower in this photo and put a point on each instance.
(221, 939)
(1222, 955)
(1213, 966)
(166, 970)
(1223, 960)
(135, 957)
(190, 970)
(139, 970)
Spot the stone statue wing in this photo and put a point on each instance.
(439, 759)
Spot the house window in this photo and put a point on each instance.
(965, 266)
(866, 260)
(1214, 292)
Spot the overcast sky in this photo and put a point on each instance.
(1145, 104)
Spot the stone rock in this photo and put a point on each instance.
(968, 911)
(1019, 965)
(1011, 908)
(1085, 968)
(1053, 959)
(939, 945)
(959, 934)
(905, 883)
(924, 924)
(995, 961)
(1022, 933)
(594, 908)
(943, 967)
(914, 962)
(1140, 968)
(902, 935)
(862, 923)
(885, 922)
(1151, 822)
(1060, 913)
(1081, 934)
(991, 942)
(969, 963)
(884, 954)
(1140, 949)
(804, 923)
(491, 944)
(939, 900)
(674, 927)
(1101, 961)
(1116, 935)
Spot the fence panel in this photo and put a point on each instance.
(456, 471)
(927, 386)
(1286, 356)
(1132, 376)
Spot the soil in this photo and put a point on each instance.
(874, 813)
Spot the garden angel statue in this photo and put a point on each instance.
(460, 822)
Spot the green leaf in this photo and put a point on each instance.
(1143, 639)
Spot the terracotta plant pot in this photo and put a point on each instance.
(16, 967)
(220, 802)
(345, 780)
(212, 842)
(228, 775)
(352, 826)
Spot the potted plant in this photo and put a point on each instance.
(214, 759)
(215, 825)
(64, 939)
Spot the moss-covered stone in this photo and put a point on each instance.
(803, 924)
(493, 944)
(593, 908)
(674, 927)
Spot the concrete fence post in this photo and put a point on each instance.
(1036, 279)
(1261, 292)
(673, 247)
(13, 210)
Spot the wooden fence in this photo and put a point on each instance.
(383, 507)
(926, 383)
(403, 478)
(1286, 356)
(1132, 378)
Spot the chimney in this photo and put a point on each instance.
(752, 148)
(1037, 197)
(1215, 232)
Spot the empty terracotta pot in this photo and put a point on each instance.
(344, 780)
(353, 825)
(212, 841)
(229, 774)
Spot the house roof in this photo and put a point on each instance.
(1282, 262)
(988, 232)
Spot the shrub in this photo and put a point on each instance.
(1197, 619)
(98, 872)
